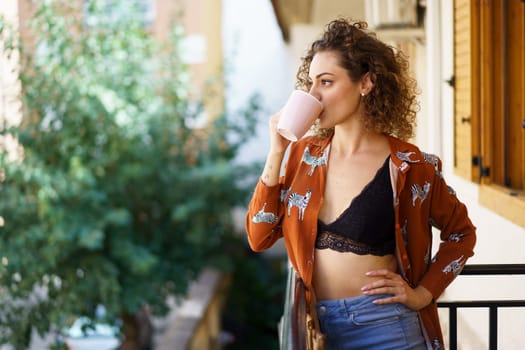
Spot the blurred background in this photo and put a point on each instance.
(133, 133)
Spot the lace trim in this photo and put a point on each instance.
(330, 240)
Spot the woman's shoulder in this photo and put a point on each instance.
(398, 145)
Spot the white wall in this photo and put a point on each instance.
(10, 104)
(256, 61)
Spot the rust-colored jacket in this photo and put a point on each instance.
(421, 200)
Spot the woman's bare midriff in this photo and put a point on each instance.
(342, 275)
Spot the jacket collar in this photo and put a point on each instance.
(403, 154)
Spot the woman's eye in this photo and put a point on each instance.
(326, 82)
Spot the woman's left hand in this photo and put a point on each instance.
(388, 282)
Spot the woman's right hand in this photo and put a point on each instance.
(278, 143)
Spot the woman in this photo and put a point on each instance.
(356, 203)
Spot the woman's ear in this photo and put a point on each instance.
(367, 83)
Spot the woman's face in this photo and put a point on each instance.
(340, 96)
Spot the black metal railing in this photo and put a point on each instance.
(285, 325)
(492, 305)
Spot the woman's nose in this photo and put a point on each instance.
(314, 93)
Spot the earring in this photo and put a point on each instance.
(362, 94)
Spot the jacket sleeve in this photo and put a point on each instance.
(265, 213)
(458, 236)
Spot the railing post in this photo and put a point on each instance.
(493, 328)
(285, 326)
(453, 330)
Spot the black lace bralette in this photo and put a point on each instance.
(367, 225)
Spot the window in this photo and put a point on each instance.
(489, 66)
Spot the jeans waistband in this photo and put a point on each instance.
(352, 303)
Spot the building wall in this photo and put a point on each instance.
(202, 45)
(9, 89)
(10, 106)
(324, 11)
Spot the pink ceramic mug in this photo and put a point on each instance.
(299, 113)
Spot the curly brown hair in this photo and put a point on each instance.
(391, 106)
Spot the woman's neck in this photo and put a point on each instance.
(348, 141)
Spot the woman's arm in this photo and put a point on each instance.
(458, 237)
(265, 211)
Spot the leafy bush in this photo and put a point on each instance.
(116, 200)
(255, 302)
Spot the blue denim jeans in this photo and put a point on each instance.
(357, 323)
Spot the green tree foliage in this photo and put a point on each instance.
(255, 302)
(117, 198)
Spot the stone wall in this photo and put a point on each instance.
(195, 322)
